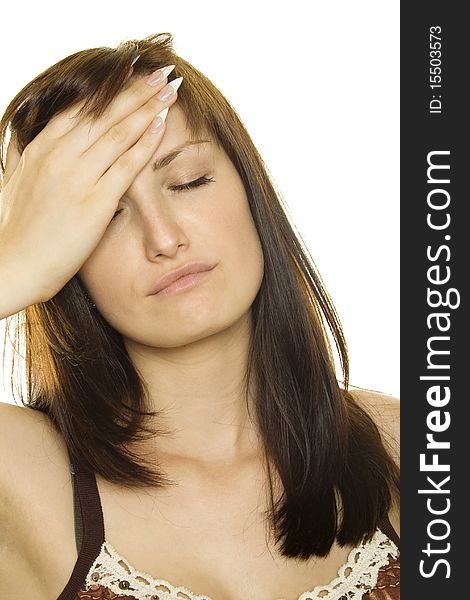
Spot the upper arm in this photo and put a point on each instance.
(12, 437)
(16, 442)
(26, 442)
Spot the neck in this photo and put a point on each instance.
(200, 391)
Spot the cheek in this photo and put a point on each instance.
(99, 272)
(242, 245)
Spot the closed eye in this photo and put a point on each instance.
(181, 187)
(192, 184)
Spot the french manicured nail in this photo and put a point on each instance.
(169, 89)
(159, 75)
(158, 122)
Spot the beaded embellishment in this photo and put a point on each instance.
(356, 577)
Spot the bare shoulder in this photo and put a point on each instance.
(31, 451)
(385, 412)
(34, 484)
(22, 428)
(19, 428)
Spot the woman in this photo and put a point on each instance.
(178, 366)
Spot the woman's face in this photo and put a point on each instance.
(161, 229)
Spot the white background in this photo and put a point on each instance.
(317, 86)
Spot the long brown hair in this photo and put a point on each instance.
(323, 445)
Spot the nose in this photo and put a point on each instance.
(162, 233)
(158, 224)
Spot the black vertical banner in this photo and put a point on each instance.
(435, 257)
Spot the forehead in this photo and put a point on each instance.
(178, 133)
(177, 130)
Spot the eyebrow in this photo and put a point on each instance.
(166, 159)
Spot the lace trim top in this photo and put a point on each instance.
(358, 576)
(371, 572)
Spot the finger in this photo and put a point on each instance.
(64, 121)
(117, 140)
(57, 126)
(114, 183)
(83, 136)
(80, 133)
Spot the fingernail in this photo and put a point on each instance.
(135, 60)
(158, 121)
(169, 89)
(159, 75)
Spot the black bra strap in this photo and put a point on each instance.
(77, 512)
(387, 528)
(89, 528)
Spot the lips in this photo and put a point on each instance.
(169, 278)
